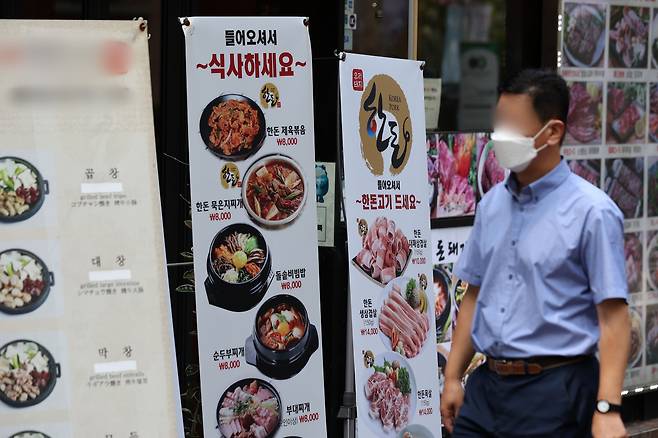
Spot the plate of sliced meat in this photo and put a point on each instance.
(388, 395)
(404, 322)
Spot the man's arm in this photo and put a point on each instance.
(460, 357)
(614, 348)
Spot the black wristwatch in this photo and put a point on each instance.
(605, 407)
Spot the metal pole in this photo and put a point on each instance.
(348, 409)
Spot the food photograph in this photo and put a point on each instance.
(385, 251)
(28, 373)
(633, 256)
(624, 184)
(274, 190)
(652, 186)
(489, 171)
(637, 335)
(584, 35)
(585, 110)
(25, 281)
(654, 40)
(404, 321)
(22, 189)
(653, 113)
(652, 260)
(628, 37)
(250, 408)
(652, 334)
(232, 127)
(283, 338)
(387, 400)
(626, 113)
(415, 431)
(451, 163)
(239, 268)
(29, 434)
(443, 306)
(589, 170)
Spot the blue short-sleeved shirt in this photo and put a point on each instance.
(543, 258)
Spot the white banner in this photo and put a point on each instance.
(252, 162)
(86, 342)
(388, 232)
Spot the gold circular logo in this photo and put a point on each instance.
(230, 176)
(385, 126)
(269, 96)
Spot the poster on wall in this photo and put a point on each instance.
(609, 57)
(447, 245)
(85, 323)
(461, 169)
(252, 168)
(388, 231)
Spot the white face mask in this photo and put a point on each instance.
(514, 151)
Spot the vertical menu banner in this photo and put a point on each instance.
(388, 228)
(86, 342)
(609, 58)
(252, 168)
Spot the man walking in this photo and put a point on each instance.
(547, 288)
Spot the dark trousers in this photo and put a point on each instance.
(559, 402)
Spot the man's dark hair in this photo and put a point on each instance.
(548, 91)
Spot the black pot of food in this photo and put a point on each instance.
(22, 189)
(246, 405)
(283, 339)
(239, 268)
(34, 291)
(29, 433)
(442, 289)
(41, 382)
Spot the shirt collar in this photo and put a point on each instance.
(540, 188)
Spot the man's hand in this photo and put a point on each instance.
(452, 399)
(607, 426)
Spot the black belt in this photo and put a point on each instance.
(532, 366)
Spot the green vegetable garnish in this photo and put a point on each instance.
(241, 407)
(250, 245)
(10, 269)
(292, 196)
(404, 384)
(411, 287)
(9, 182)
(20, 170)
(15, 363)
(280, 317)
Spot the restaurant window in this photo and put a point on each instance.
(463, 42)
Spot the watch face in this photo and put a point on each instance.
(603, 406)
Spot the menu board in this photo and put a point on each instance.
(389, 243)
(252, 162)
(447, 244)
(609, 57)
(461, 168)
(85, 323)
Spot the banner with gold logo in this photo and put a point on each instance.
(252, 162)
(388, 228)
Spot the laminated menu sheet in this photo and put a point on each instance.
(86, 342)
